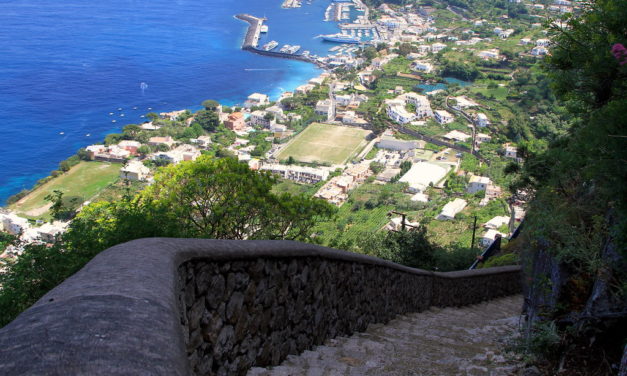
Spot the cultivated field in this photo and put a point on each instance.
(84, 180)
(325, 143)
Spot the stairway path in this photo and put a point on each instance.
(467, 341)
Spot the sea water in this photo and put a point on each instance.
(66, 67)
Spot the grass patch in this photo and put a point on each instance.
(84, 180)
(325, 143)
(498, 93)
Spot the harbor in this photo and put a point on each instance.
(251, 43)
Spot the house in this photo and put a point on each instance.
(112, 153)
(235, 121)
(423, 174)
(419, 197)
(344, 100)
(482, 137)
(443, 117)
(398, 113)
(202, 141)
(308, 175)
(525, 41)
(422, 66)
(539, 51)
(488, 54)
(488, 237)
(477, 184)
(134, 171)
(421, 102)
(130, 146)
(49, 231)
(261, 118)
(304, 89)
(396, 224)
(493, 191)
(437, 47)
(277, 112)
(92, 150)
(326, 108)
(450, 210)
(13, 224)
(173, 116)
(497, 222)
(482, 120)
(149, 126)
(543, 42)
(456, 135)
(511, 151)
(257, 99)
(154, 141)
(388, 174)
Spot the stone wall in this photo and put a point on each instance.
(191, 306)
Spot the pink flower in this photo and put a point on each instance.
(620, 53)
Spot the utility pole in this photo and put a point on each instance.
(474, 228)
(404, 224)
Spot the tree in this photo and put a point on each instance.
(56, 199)
(132, 130)
(144, 150)
(411, 248)
(210, 105)
(152, 116)
(208, 120)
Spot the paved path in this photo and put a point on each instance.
(464, 341)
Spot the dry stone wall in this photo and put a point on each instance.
(247, 313)
(216, 307)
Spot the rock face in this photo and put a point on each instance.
(239, 314)
(449, 341)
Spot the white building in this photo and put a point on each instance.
(257, 99)
(49, 231)
(261, 119)
(497, 222)
(135, 171)
(456, 135)
(437, 47)
(422, 66)
(299, 174)
(344, 99)
(482, 137)
(443, 117)
(13, 224)
(477, 184)
(421, 102)
(482, 120)
(326, 108)
(488, 54)
(398, 113)
(539, 51)
(450, 210)
(488, 237)
(422, 174)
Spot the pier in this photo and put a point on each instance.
(254, 30)
(251, 41)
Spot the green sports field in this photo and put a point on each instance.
(325, 143)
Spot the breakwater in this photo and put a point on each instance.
(251, 41)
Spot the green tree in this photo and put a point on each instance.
(56, 199)
(208, 120)
(210, 105)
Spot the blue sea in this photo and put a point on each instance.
(66, 65)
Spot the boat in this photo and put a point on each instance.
(270, 45)
(114, 121)
(88, 134)
(62, 133)
(285, 48)
(293, 49)
(340, 38)
(264, 28)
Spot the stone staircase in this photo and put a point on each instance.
(451, 341)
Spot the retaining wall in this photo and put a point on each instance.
(191, 306)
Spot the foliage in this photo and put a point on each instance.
(410, 248)
(208, 120)
(502, 260)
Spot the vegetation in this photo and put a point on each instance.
(578, 218)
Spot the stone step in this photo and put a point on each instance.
(465, 341)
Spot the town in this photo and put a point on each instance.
(422, 118)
